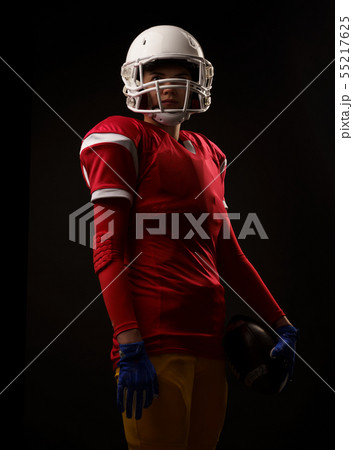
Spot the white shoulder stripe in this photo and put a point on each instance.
(223, 165)
(188, 145)
(115, 138)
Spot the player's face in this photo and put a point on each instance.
(171, 98)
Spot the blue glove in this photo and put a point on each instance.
(285, 346)
(138, 384)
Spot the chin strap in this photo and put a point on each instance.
(170, 119)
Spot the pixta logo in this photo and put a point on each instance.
(251, 226)
(82, 223)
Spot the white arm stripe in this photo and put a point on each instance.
(111, 192)
(112, 138)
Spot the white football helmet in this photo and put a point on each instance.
(160, 43)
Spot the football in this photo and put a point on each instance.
(248, 344)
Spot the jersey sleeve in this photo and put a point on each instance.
(242, 277)
(109, 159)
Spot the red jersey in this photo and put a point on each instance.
(178, 298)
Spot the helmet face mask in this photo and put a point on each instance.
(154, 47)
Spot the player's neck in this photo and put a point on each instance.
(171, 130)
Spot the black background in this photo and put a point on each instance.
(264, 55)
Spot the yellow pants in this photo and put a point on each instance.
(189, 413)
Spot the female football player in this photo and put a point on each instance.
(162, 241)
